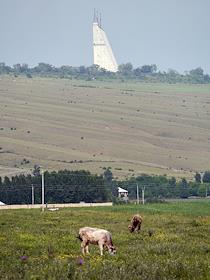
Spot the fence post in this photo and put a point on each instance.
(137, 194)
(142, 191)
(32, 194)
(42, 173)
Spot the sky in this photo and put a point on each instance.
(174, 34)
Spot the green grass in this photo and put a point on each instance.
(179, 247)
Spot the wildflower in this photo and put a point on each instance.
(80, 261)
(23, 258)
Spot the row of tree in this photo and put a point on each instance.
(75, 186)
(160, 187)
(60, 187)
(148, 73)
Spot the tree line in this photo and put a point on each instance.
(63, 186)
(161, 187)
(67, 186)
(147, 73)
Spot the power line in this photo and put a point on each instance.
(92, 184)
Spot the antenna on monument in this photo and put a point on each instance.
(102, 52)
(100, 20)
(97, 18)
(94, 15)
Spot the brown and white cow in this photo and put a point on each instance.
(100, 237)
(136, 222)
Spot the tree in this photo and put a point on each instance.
(149, 69)
(206, 177)
(108, 176)
(173, 76)
(24, 68)
(82, 70)
(197, 177)
(197, 75)
(2, 65)
(172, 182)
(184, 183)
(43, 68)
(138, 72)
(66, 70)
(36, 170)
(93, 70)
(206, 78)
(125, 69)
(17, 68)
(197, 72)
(184, 191)
(202, 190)
(6, 181)
(4, 69)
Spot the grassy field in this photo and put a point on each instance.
(36, 245)
(133, 127)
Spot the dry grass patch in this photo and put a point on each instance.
(148, 128)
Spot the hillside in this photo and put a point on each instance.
(132, 127)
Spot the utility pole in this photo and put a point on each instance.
(142, 192)
(42, 173)
(32, 194)
(202, 174)
(137, 194)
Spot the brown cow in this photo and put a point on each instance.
(136, 222)
(97, 236)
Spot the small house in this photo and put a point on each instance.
(122, 193)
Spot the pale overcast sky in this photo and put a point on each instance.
(170, 33)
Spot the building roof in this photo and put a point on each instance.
(120, 190)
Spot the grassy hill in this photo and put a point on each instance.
(130, 126)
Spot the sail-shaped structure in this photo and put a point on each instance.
(102, 51)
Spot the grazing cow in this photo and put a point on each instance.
(100, 237)
(135, 225)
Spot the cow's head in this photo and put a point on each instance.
(112, 250)
(131, 228)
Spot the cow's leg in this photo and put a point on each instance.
(101, 246)
(137, 229)
(83, 246)
(87, 249)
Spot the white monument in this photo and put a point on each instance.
(102, 51)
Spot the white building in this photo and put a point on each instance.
(2, 203)
(122, 193)
(102, 51)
